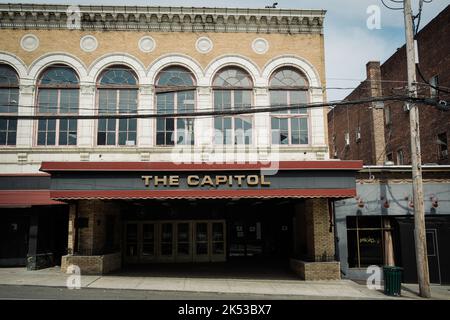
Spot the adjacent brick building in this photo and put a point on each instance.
(379, 132)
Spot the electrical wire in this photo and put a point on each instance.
(391, 8)
(240, 111)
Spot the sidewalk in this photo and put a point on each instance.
(341, 289)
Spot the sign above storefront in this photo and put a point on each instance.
(207, 180)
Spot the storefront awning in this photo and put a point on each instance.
(167, 180)
(26, 198)
(201, 194)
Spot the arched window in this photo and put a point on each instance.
(9, 97)
(232, 91)
(175, 93)
(58, 94)
(289, 87)
(117, 93)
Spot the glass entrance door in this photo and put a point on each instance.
(201, 239)
(174, 241)
(184, 242)
(166, 242)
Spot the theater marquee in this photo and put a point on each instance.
(207, 180)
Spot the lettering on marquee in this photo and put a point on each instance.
(207, 180)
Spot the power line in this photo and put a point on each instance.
(240, 111)
(392, 8)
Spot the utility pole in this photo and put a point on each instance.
(416, 161)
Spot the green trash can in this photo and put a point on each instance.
(392, 280)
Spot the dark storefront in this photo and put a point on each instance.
(33, 228)
(377, 226)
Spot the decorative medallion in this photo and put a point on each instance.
(204, 45)
(147, 44)
(260, 45)
(29, 42)
(88, 43)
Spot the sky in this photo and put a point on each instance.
(349, 43)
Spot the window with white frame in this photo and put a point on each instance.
(175, 93)
(9, 97)
(288, 87)
(117, 94)
(58, 94)
(232, 89)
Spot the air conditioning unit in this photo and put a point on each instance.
(406, 107)
(444, 154)
(347, 139)
(358, 136)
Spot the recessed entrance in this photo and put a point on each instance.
(208, 231)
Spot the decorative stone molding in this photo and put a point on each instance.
(146, 89)
(42, 62)
(88, 43)
(204, 45)
(27, 89)
(147, 44)
(87, 89)
(260, 45)
(206, 91)
(260, 91)
(84, 156)
(15, 62)
(22, 158)
(165, 19)
(145, 156)
(29, 42)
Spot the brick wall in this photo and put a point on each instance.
(97, 265)
(434, 54)
(319, 239)
(92, 239)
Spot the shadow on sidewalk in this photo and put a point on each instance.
(250, 270)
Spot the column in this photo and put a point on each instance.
(86, 127)
(32, 263)
(204, 126)
(262, 126)
(318, 121)
(320, 240)
(26, 103)
(145, 126)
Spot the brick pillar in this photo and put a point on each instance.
(91, 257)
(320, 241)
(71, 249)
(377, 112)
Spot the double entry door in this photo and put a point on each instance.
(175, 241)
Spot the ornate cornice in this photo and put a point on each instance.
(165, 19)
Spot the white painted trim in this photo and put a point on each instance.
(117, 59)
(16, 63)
(38, 65)
(234, 60)
(302, 64)
(175, 59)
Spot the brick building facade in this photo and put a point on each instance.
(379, 132)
